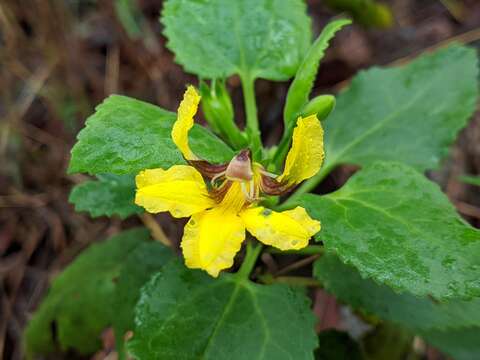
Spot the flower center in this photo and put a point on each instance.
(240, 167)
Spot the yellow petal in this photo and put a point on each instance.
(211, 239)
(234, 200)
(306, 154)
(186, 111)
(285, 230)
(180, 190)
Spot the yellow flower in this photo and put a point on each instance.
(221, 199)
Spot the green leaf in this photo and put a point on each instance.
(299, 91)
(410, 114)
(412, 312)
(397, 227)
(109, 195)
(147, 259)
(79, 304)
(254, 38)
(337, 345)
(452, 327)
(462, 344)
(126, 135)
(185, 314)
(470, 179)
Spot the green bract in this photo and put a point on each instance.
(394, 225)
(185, 314)
(252, 38)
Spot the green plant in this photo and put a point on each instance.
(390, 245)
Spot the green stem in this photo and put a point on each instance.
(307, 186)
(253, 250)
(309, 250)
(252, 128)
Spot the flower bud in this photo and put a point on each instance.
(321, 105)
(216, 103)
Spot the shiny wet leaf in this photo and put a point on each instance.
(398, 228)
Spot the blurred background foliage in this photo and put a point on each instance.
(59, 58)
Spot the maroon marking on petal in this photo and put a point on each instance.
(206, 169)
(219, 193)
(271, 186)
